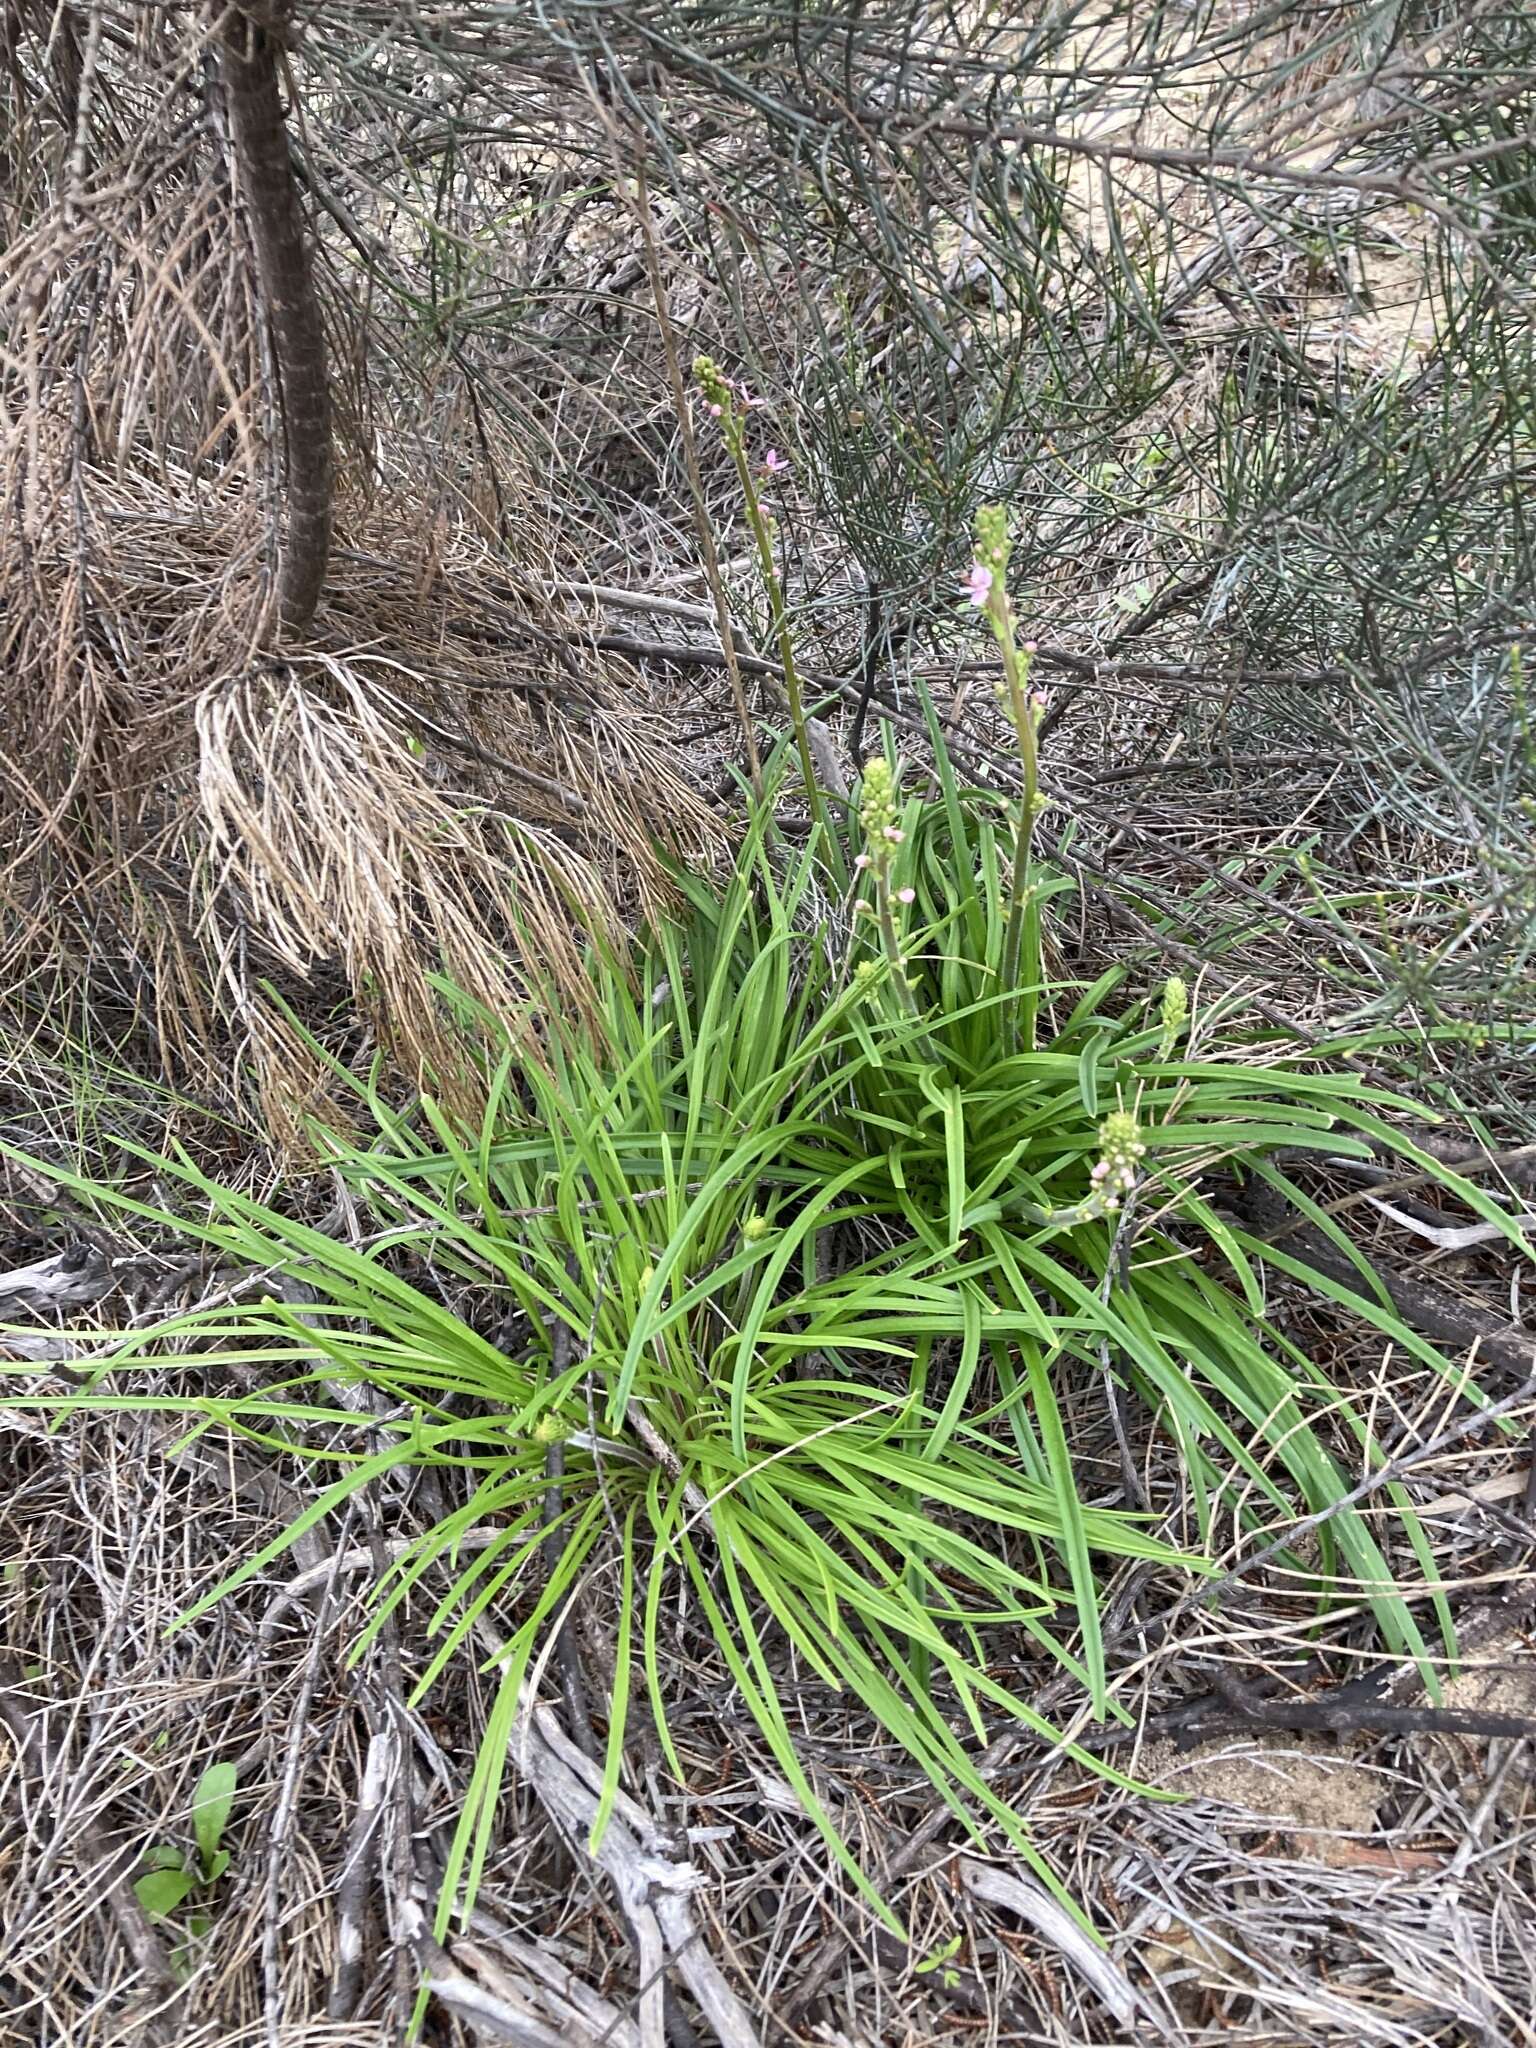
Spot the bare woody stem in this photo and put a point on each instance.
(659, 298)
(286, 275)
(1021, 897)
(783, 638)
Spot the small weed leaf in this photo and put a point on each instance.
(160, 1892)
(211, 1804)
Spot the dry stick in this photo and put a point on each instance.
(1092, 668)
(491, 1951)
(653, 1886)
(1032, 1903)
(282, 1819)
(1348, 1716)
(286, 274)
(1233, 763)
(76, 100)
(1431, 1310)
(1517, 1165)
(352, 1889)
(384, 1769)
(401, 1870)
(490, 2017)
(1230, 1708)
(1234, 163)
(1142, 621)
(98, 1855)
(389, 1730)
(69, 1279)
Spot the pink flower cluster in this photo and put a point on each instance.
(978, 585)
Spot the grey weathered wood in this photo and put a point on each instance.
(71, 1278)
(1031, 1902)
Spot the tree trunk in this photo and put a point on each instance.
(287, 279)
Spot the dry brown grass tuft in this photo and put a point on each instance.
(432, 784)
(425, 784)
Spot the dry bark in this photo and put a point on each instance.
(285, 271)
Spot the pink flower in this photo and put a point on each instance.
(1039, 702)
(906, 895)
(862, 862)
(774, 463)
(715, 411)
(1030, 646)
(978, 585)
(895, 834)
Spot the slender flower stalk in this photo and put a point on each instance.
(986, 587)
(879, 814)
(728, 403)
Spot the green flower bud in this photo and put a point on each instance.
(992, 543)
(710, 379)
(877, 801)
(1175, 1013)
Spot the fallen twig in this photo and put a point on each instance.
(490, 2016)
(652, 1883)
(1431, 1310)
(352, 1891)
(1032, 1903)
(273, 2000)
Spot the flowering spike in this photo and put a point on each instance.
(1121, 1147)
(715, 386)
(1175, 1013)
(877, 806)
(992, 543)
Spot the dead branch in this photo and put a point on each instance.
(285, 271)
